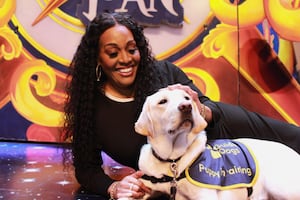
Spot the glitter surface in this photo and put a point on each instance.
(35, 171)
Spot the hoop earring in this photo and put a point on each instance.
(98, 72)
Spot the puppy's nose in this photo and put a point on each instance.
(185, 107)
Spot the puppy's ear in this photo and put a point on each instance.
(200, 123)
(144, 124)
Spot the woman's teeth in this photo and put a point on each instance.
(126, 70)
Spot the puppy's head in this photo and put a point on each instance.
(171, 121)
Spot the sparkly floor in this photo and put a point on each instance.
(34, 171)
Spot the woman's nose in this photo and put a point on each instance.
(125, 57)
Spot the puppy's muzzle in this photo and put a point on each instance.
(185, 110)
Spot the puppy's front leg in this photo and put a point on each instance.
(192, 152)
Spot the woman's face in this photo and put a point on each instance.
(119, 57)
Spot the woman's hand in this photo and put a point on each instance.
(129, 186)
(204, 110)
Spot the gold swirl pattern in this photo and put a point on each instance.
(7, 9)
(284, 17)
(12, 46)
(219, 43)
(286, 54)
(34, 78)
(250, 13)
(204, 81)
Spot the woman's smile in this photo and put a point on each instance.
(127, 71)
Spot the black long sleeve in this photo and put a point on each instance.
(233, 121)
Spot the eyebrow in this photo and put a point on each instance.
(130, 42)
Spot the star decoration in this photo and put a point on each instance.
(52, 4)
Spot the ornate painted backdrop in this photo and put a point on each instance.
(241, 52)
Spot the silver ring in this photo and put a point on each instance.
(131, 186)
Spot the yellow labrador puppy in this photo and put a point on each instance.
(178, 159)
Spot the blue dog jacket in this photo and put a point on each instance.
(225, 164)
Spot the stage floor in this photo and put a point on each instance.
(34, 171)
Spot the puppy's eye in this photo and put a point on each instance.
(187, 98)
(163, 101)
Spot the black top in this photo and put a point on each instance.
(114, 128)
(115, 134)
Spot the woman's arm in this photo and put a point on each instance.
(232, 121)
(90, 175)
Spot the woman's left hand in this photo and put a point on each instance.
(131, 186)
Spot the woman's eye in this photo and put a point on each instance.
(132, 51)
(163, 101)
(113, 55)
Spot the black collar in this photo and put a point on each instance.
(163, 179)
(164, 160)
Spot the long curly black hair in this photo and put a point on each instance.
(83, 85)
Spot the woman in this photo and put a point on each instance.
(112, 72)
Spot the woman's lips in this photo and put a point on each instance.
(125, 71)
